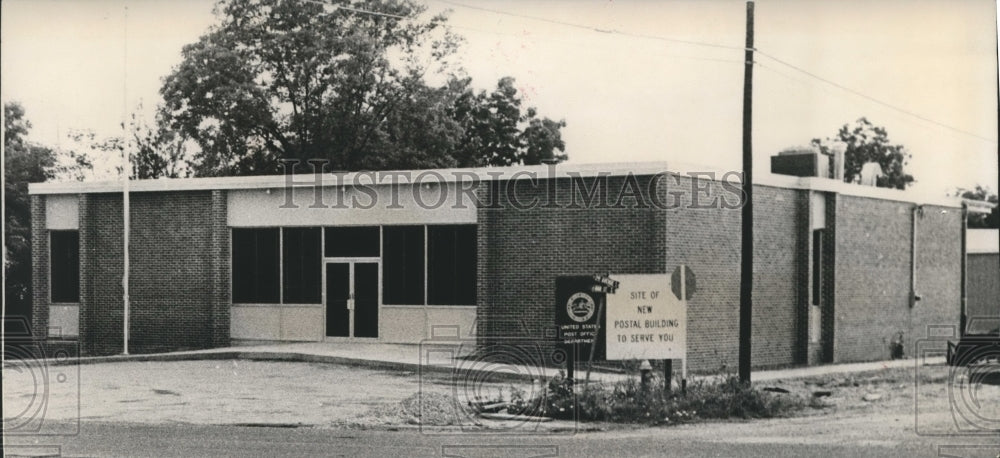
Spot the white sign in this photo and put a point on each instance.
(645, 320)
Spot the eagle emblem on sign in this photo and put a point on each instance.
(580, 307)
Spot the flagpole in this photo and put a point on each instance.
(125, 235)
(126, 174)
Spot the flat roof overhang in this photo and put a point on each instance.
(485, 174)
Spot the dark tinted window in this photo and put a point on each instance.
(403, 265)
(352, 241)
(64, 251)
(302, 262)
(255, 265)
(451, 265)
(817, 266)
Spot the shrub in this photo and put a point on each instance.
(628, 401)
(428, 409)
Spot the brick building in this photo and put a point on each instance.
(474, 253)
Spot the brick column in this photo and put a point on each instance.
(803, 281)
(85, 284)
(221, 275)
(484, 292)
(829, 281)
(39, 269)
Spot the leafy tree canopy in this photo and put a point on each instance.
(287, 79)
(979, 220)
(26, 162)
(157, 150)
(866, 142)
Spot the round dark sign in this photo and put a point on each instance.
(580, 307)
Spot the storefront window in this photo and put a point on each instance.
(302, 262)
(451, 265)
(352, 241)
(403, 265)
(256, 265)
(64, 258)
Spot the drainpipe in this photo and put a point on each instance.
(918, 210)
(963, 316)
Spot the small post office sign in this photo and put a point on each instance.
(645, 319)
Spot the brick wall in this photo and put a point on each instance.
(866, 253)
(175, 246)
(221, 273)
(708, 240)
(872, 271)
(86, 228)
(779, 318)
(524, 250)
(939, 272)
(828, 281)
(181, 274)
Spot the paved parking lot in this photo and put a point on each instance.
(218, 392)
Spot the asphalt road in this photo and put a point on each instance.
(123, 439)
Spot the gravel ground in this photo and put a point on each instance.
(932, 401)
(220, 392)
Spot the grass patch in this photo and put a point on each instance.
(429, 409)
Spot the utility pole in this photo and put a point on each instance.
(746, 251)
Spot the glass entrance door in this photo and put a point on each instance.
(352, 299)
(366, 299)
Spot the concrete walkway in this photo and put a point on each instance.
(450, 357)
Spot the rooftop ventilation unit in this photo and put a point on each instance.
(801, 162)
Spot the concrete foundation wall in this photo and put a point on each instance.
(64, 321)
(278, 322)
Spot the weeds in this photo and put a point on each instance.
(628, 401)
(422, 408)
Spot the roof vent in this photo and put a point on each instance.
(802, 161)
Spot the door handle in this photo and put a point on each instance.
(350, 304)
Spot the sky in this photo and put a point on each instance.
(634, 80)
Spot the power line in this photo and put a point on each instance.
(593, 28)
(589, 47)
(355, 10)
(722, 46)
(681, 41)
(873, 99)
(451, 26)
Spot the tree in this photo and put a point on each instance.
(287, 79)
(866, 142)
(979, 220)
(497, 133)
(157, 151)
(26, 162)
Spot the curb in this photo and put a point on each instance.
(302, 357)
(459, 372)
